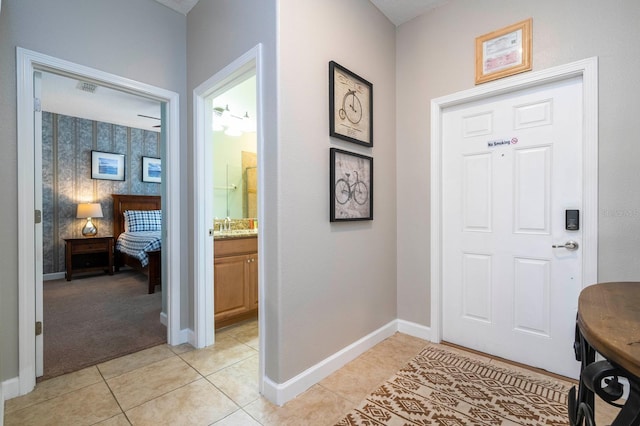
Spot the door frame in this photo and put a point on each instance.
(28, 62)
(587, 69)
(204, 327)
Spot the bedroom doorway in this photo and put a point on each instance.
(89, 316)
(29, 64)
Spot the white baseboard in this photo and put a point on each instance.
(10, 388)
(53, 276)
(187, 335)
(280, 393)
(184, 335)
(415, 330)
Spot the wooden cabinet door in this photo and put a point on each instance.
(230, 291)
(235, 286)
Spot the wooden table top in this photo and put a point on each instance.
(609, 318)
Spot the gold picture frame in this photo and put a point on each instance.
(504, 52)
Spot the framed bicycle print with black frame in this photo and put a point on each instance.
(351, 186)
(350, 106)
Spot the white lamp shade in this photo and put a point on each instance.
(86, 210)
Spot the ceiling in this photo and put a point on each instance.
(401, 11)
(65, 95)
(398, 11)
(61, 95)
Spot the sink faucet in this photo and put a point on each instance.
(227, 223)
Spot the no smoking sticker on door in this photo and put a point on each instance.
(501, 142)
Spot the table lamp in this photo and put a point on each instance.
(88, 211)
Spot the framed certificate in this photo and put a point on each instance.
(504, 52)
(350, 106)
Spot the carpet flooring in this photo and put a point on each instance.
(440, 387)
(90, 320)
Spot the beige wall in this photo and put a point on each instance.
(337, 280)
(435, 57)
(330, 284)
(327, 285)
(218, 33)
(141, 40)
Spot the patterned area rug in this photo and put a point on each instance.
(440, 387)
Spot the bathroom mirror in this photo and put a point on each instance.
(235, 186)
(235, 151)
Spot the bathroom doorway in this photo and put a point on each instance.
(244, 197)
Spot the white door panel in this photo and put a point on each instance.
(512, 165)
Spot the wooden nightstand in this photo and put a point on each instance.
(88, 254)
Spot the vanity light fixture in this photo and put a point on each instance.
(232, 124)
(248, 124)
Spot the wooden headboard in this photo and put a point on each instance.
(122, 202)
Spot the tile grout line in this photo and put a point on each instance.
(200, 374)
(55, 396)
(113, 396)
(159, 396)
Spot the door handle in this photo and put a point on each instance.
(569, 245)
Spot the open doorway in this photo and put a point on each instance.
(28, 64)
(234, 186)
(246, 68)
(90, 314)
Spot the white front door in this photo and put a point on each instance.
(511, 169)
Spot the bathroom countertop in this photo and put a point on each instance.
(234, 234)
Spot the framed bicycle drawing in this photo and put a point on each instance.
(350, 106)
(351, 186)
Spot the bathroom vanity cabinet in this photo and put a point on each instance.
(235, 273)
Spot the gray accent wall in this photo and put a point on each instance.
(140, 40)
(67, 143)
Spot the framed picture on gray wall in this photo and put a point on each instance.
(351, 186)
(107, 165)
(151, 169)
(350, 106)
